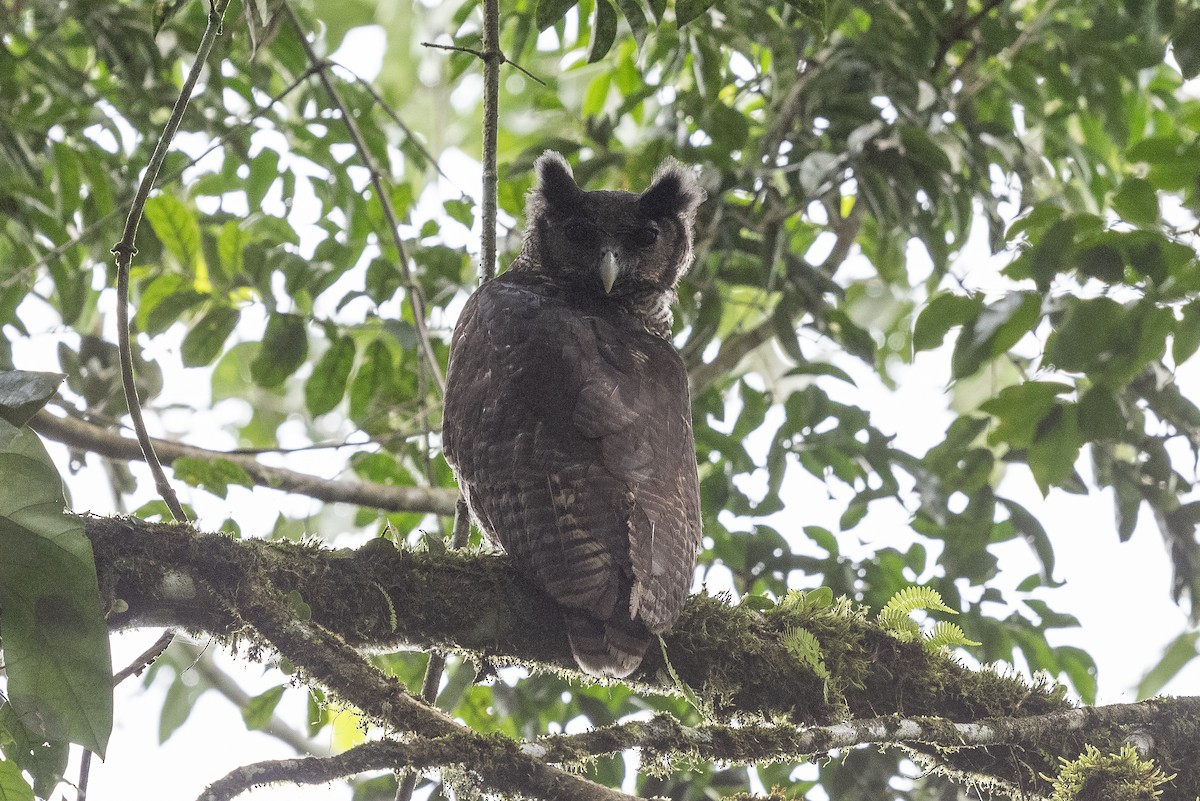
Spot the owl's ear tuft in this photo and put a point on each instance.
(674, 190)
(555, 182)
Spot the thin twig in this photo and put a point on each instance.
(146, 658)
(388, 754)
(125, 250)
(400, 123)
(85, 774)
(416, 298)
(479, 54)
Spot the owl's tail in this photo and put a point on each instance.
(606, 648)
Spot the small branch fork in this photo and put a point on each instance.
(492, 57)
(327, 659)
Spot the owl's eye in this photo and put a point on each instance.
(645, 237)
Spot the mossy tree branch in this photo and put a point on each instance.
(735, 659)
(326, 659)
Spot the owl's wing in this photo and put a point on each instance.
(572, 440)
(634, 403)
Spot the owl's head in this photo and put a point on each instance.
(614, 244)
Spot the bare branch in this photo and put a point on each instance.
(78, 434)
(125, 250)
(492, 58)
(146, 658)
(463, 750)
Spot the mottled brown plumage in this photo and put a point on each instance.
(567, 416)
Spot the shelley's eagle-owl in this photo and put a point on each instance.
(567, 417)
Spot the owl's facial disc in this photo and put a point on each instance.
(608, 270)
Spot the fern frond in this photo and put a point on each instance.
(897, 623)
(946, 635)
(805, 647)
(910, 599)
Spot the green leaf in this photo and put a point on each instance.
(327, 384)
(1179, 653)
(1089, 328)
(23, 393)
(264, 169)
(258, 710)
(231, 246)
(13, 786)
(284, 349)
(176, 227)
(1020, 409)
(1055, 449)
(688, 10)
(1137, 202)
(1048, 257)
(759, 603)
(205, 340)
(596, 94)
(1034, 533)
(856, 510)
(1186, 44)
(943, 312)
(1081, 669)
(635, 15)
(55, 639)
(45, 760)
(1187, 334)
(1100, 416)
(1102, 262)
(214, 475)
(998, 327)
(372, 384)
(604, 31)
(820, 368)
(550, 12)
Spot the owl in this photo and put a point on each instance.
(567, 417)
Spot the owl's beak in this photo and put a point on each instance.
(608, 270)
